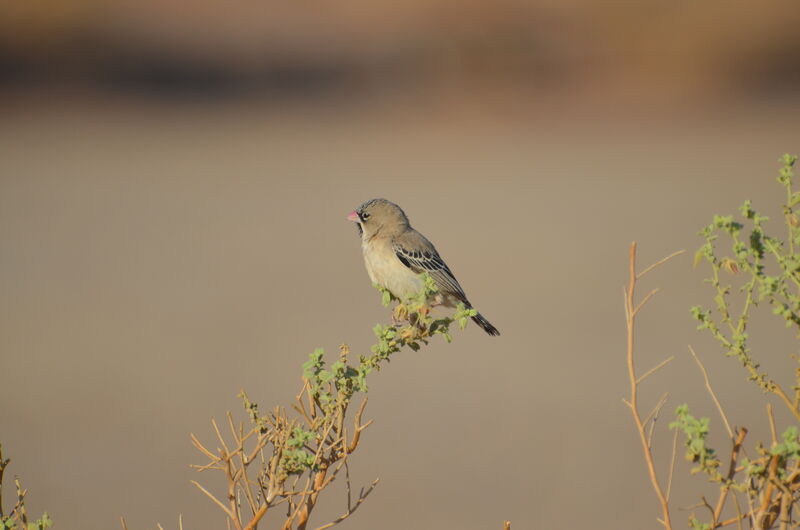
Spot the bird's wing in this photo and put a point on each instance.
(421, 256)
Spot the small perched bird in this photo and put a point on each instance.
(395, 255)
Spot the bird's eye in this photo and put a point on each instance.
(364, 216)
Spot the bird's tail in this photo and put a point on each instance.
(486, 325)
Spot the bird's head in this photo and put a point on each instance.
(379, 215)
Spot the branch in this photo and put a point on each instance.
(654, 369)
(711, 391)
(630, 318)
(737, 445)
(659, 262)
(213, 498)
(257, 517)
(351, 510)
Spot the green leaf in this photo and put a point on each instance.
(698, 257)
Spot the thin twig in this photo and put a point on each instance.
(200, 447)
(220, 437)
(713, 394)
(772, 428)
(654, 369)
(212, 465)
(361, 498)
(654, 415)
(707, 505)
(295, 509)
(751, 510)
(739, 514)
(213, 498)
(641, 304)
(672, 463)
(660, 262)
(243, 463)
(358, 427)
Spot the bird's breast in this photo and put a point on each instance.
(385, 269)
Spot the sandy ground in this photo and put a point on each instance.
(156, 258)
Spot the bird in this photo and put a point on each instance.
(395, 255)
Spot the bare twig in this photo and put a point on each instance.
(220, 437)
(358, 427)
(654, 369)
(739, 515)
(647, 298)
(351, 510)
(713, 394)
(3, 465)
(219, 503)
(200, 447)
(630, 315)
(659, 262)
(654, 416)
(672, 462)
(751, 510)
(725, 488)
(772, 428)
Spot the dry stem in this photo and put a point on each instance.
(631, 310)
(330, 447)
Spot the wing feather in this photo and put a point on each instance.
(429, 261)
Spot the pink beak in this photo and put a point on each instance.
(353, 216)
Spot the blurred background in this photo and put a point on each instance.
(175, 180)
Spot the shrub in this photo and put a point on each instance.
(751, 269)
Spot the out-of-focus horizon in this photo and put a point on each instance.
(175, 177)
(268, 50)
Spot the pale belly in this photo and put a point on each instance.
(386, 270)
